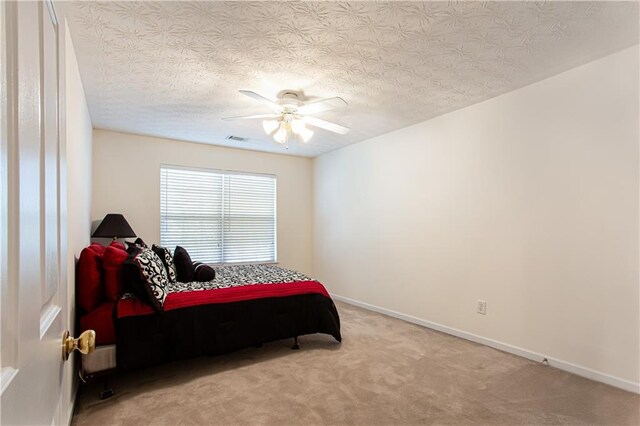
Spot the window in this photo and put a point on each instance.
(218, 216)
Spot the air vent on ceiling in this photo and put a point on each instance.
(236, 138)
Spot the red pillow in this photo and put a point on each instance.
(97, 248)
(113, 275)
(118, 245)
(89, 278)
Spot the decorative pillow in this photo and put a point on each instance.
(151, 279)
(184, 266)
(112, 262)
(131, 273)
(97, 248)
(89, 278)
(167, 260)
(203, 272)
(138, 243)
(118, 245)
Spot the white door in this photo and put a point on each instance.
(32, 250)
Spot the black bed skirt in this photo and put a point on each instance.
(148, 340)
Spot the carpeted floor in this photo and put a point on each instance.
(386, 372)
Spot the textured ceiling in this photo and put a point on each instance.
(173, 69)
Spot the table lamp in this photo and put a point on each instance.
(115, 226)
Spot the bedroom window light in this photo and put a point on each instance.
(219, 217)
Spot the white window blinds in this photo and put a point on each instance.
(217, 216)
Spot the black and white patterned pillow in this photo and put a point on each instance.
(167, 260)
(154, 276)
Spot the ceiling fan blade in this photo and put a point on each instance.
(332, 127)
(323, 105)
(262, 99)
(248, 117)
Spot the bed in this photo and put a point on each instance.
(243, 306)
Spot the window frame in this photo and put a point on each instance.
(227, 172)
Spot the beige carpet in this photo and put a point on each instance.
(386, 372)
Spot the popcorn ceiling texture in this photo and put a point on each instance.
(173, 69)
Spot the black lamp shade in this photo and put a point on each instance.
(114, 226)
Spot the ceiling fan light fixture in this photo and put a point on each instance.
(298, 126)
(305, 134)
(291, 115)
(270, 126)
(281, 135)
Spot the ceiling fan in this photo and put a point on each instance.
(291, 114)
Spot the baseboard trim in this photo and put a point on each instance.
(525, 353)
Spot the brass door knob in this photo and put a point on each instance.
(85, 343)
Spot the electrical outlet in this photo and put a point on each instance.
(482, 307)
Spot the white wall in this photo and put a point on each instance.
(78, 149)
(78, 137)
(126, 179)
(528, 200)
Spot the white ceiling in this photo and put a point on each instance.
(173, 69)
